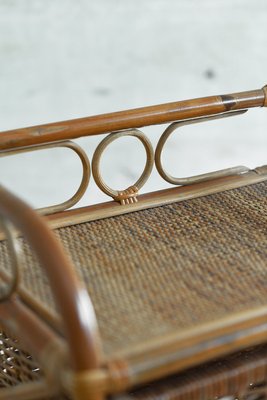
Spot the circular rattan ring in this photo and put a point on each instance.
(128, 195)
(12, 284)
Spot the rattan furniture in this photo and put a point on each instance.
(148, 296)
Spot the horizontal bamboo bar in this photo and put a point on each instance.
(134, 118)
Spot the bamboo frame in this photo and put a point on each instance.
(91, 375)
(71, 297)
(172, 353)
(129, 119)
(198, 110)
(155, 199)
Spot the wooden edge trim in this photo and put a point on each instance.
(154, 199)
(241, 378)
(70, 295)
(175, 352)
(134, 118)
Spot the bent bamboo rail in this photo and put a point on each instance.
(79, 322)
(72, 299)
(134, 118)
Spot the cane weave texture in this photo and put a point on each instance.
(17, 366)
(166, 269)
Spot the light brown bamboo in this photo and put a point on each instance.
(134, 118)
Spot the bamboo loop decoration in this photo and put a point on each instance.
(85, 175)
(184, 112)
(14, 250)
(87, 366)
(199, 178)
(129, 195)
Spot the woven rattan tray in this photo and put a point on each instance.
(128, 296)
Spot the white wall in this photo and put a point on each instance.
(69, 59)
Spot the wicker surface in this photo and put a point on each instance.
(17, 366)
(243, 376)
(169, 268)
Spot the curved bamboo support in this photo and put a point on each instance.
(198, 178)
(15, 260)
(128, 195)
(85, 176)
(265, 94)
(134, 118)
(72, 299)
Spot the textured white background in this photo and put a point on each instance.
(67, 59)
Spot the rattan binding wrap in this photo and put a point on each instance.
(175, 267)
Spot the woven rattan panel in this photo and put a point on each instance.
(169, 268)
(17, 366)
